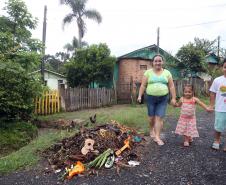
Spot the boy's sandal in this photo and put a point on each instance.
(186, 143)
(216, 146)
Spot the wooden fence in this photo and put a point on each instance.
(49, 103)
(201, 87)
(128, 92)
(79, 98)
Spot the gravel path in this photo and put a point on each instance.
(169, 164)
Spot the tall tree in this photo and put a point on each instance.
(18, 57)
(206, 45)
(192, 55)
(21, 21)
(56, 62)
(89, 65)
(191, 58)
(79, 13)
(71, 47)
(15, 35)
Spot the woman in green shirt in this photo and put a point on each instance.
(158, 83)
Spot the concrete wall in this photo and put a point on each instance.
(52, 80)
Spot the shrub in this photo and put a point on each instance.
(14, 135)
(17, 91)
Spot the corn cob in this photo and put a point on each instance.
(104, 159)
(98, 159)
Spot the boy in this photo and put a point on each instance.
(218, 97)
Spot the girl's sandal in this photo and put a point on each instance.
(186, 143)
(190, 140)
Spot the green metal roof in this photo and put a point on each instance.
(211, 58)
(146, 53)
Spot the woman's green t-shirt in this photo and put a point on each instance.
(157, 85)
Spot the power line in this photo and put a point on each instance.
(219, 5)
(199, 7)
(198, 24)
(185, 8)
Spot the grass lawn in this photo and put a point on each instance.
(131, 115)
(28, 155)
(14, 135)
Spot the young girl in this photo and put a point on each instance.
(187, 122)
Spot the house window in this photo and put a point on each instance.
(143, 67)
(60, 82)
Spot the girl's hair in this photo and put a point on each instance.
(224, 61)
(158, 55)
(191, 87)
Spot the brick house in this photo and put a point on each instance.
(129, 70)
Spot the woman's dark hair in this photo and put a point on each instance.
(158, 55)
(189, 86)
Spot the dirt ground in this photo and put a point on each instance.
(168, 164)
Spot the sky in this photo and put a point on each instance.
(129, 25)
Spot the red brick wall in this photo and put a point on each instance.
(131, 68)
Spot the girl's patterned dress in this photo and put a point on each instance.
(187, 122)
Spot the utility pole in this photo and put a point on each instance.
(158, 40)
(218, 48)
(44, 44)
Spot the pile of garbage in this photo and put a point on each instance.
(102, 146)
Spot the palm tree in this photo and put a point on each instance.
(79, 12)
(71, 47)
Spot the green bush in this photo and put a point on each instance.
(17, 91)
(90, 65)
(14, 135)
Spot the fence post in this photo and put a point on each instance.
(62, 95)
(131, 89)
(115, 89)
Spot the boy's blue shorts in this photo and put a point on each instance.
(220, 121)
(157, 105)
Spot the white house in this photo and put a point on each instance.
(53, 79)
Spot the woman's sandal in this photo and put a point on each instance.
(152, 134)
(159, 142)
